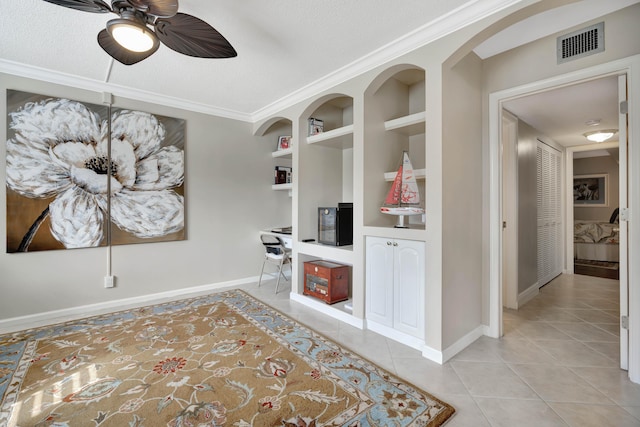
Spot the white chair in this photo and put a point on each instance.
(274, 253)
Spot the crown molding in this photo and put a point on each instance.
(444, 25)
(50, 76)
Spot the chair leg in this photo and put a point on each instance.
(262, 271)
(279, 274)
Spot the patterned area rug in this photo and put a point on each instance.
(220, 360)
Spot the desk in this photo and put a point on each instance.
(287, 240)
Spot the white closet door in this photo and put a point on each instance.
(408, 296)
(379, 276)
(549, 212)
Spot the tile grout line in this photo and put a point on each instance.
(538, 394)
(475, 402)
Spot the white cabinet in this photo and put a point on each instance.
(395, 282)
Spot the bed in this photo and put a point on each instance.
(596, 240)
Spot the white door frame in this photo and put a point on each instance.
(630, 66)
(510, 210)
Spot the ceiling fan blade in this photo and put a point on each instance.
(118, 52)
(158, 8)
(191, 36)
(95, 6)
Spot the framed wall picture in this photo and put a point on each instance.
(591, 190)
(70, 185)
(284, 142)
(316, 126)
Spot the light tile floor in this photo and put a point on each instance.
(557, 364)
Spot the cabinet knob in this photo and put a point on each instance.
(388, 243)
(395, 244)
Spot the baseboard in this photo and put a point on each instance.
(432, 354)
(57, 316)
(528, 294)
(327, 309)
(463, 343)
(396, 335)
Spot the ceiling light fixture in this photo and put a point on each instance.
(132, 34)
(145, 24)
(600, 135)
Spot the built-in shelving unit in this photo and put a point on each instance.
(394, 121)
(271, 130)
(325, 160)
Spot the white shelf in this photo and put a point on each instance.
(288, 186)
(340, 137)
(414, 232)
(341, 254)
(336, 311)
(418, 173)
(413, 124)
(282, 153)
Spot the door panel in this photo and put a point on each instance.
(379, 279)
(409, 289)
(549, 212)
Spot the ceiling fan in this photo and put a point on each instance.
(142, 24)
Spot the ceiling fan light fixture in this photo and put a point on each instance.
(132, 35)
(600, 135)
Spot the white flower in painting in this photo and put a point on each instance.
(60, 149)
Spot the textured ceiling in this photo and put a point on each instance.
(284, 47)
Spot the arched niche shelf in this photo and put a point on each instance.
(395, 116)
(325, 163)
(336, 113)
(274, 128)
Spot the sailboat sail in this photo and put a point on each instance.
(403, 197)
(404, 190)
(393, 197)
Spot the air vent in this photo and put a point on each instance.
(581, 43)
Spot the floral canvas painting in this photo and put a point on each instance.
(80, 175)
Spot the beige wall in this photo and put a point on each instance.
(462, 197)
(598, 165)
(537, 60)
(228, 199)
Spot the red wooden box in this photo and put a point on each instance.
(326, 280)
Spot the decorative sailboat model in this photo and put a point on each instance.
(403, 197)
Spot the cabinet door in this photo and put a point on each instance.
(379, 280)
(409, 280)
(549, 212)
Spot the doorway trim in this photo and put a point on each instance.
(629, 66)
